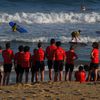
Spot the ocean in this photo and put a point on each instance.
(46, 19)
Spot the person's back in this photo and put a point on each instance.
(26, 58)
(40, 54)
(80, 75)
(8, 56)
(71, 56)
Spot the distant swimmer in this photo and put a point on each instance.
(14, 27)
(75, 35)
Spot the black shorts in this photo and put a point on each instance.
(7, 67)
(94, 66)
(33, 68)
(40, 65)
(50, 64)
(25, 70)
(58, 65)
(19, 69)
(69, 67)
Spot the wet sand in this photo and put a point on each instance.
(51, 91)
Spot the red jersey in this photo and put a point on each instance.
(40, 54)
(80, 76)
(50, 52)
(26, 59)
(8, 55)
(59, 54)
(19, 58)
(95, 58)
(70, 56)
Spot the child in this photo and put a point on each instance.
(80, 75)
(33, 66)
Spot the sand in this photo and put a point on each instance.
(51, 91)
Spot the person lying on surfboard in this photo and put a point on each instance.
(75, 35)
(14, 27)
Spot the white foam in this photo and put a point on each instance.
(52, 17)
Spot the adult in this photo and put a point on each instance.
(59, 55)
(40, 66)
(70, 57)
(94, 61)
(49, 54)
(8, 56)
(75, 36)
(18, 64)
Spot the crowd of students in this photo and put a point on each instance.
(56, 56)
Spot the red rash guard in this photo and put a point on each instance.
(70, 56)
(59, 54)
(40, 54)
(8, 55)
(26, 60)
(50, 52)
(95, 58)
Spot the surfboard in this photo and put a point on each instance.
(19, 28)
(78, 43)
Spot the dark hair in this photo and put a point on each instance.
(8, 45)
(81, 68)
(79, 31)
(95, 45)
(26, 48)
(39, 44)
(21, 48)
(34, 50)
(58, 43)
(52, 41)
(71, 47)
(0, 47)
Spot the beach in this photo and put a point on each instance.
(51, 91)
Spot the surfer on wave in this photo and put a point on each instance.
(75, 36)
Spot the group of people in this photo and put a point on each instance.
(56, 58)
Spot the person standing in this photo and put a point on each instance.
(94, 61)
(18, 63)
(26, 62)
(8, 56)
(75, 36)
(49, 54)
(40, 66)
(59, 55)
(33, 65)
(70, 57)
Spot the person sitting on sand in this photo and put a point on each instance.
(14, 27)
(80, 75)
(94, 61)
(33, 65)
(8, 56)
(70, 57)
(59, 55)
(40, 65)
(49, 54)
(75, 36)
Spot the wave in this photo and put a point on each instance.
(45, 18)
(57, 1)
(63, 39)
